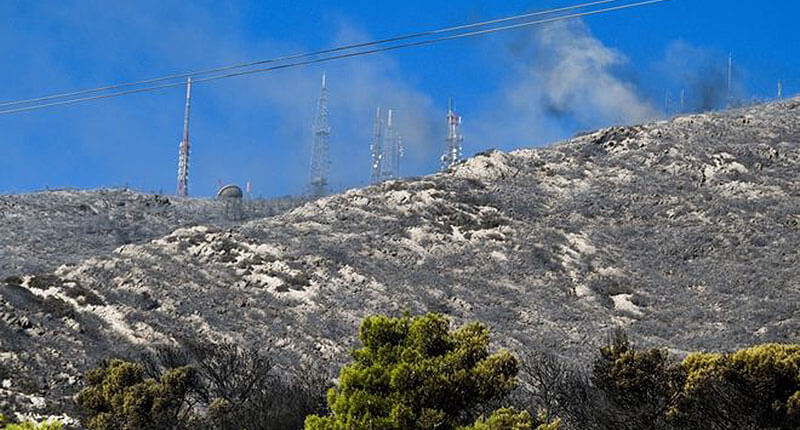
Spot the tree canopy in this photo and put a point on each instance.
(118, 396)
(416, 373)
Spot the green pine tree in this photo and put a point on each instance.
(415, 373)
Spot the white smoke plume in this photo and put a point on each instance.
(701, 73)
(563, 79)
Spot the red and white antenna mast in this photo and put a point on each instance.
(183, 148)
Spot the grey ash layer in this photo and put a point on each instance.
(684, 232)
(41, 231)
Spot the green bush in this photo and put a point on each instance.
(29, 425)
(201, 385)
(630, 388)
(119, 397)
(415, 373)
(755, 387)
(752, 388)
(510, 419)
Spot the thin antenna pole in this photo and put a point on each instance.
(667, 102)
(183, 148)
(187, 109)
(400, 150)
(683, 100)
(376, 148)
(388, 148)
(780, 90)
(730, 79)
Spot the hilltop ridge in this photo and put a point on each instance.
(683, 232)
(46, 229)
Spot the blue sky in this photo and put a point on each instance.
(520, 89)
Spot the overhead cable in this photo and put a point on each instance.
(198, 73)
(331, 58)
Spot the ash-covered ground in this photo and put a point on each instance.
(40, 231)
(683, 232)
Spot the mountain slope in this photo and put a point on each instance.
(683, 232)
(40, 231)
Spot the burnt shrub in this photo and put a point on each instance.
(640, 385)
(243, 387)
(57, 307)
(43, 282)
(13, 280)
(82, 294)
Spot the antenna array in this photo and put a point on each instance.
(452, 151)
(376, 148)
(392, 150)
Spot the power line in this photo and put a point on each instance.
(342, 56)
(197, 73)
(337, 57)
(430, 41)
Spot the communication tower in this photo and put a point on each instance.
(376, 148)
(392, 150)
(320, 162)
(452, 151)
(183, 148)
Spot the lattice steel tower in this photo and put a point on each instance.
(376, 148)
(183, 148)
(392, 151)
(452, 151)
(320, 162)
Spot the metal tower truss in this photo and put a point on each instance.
(320, 162)
(452, 151)
(392, 151)
(376, 148)
(183, 148)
